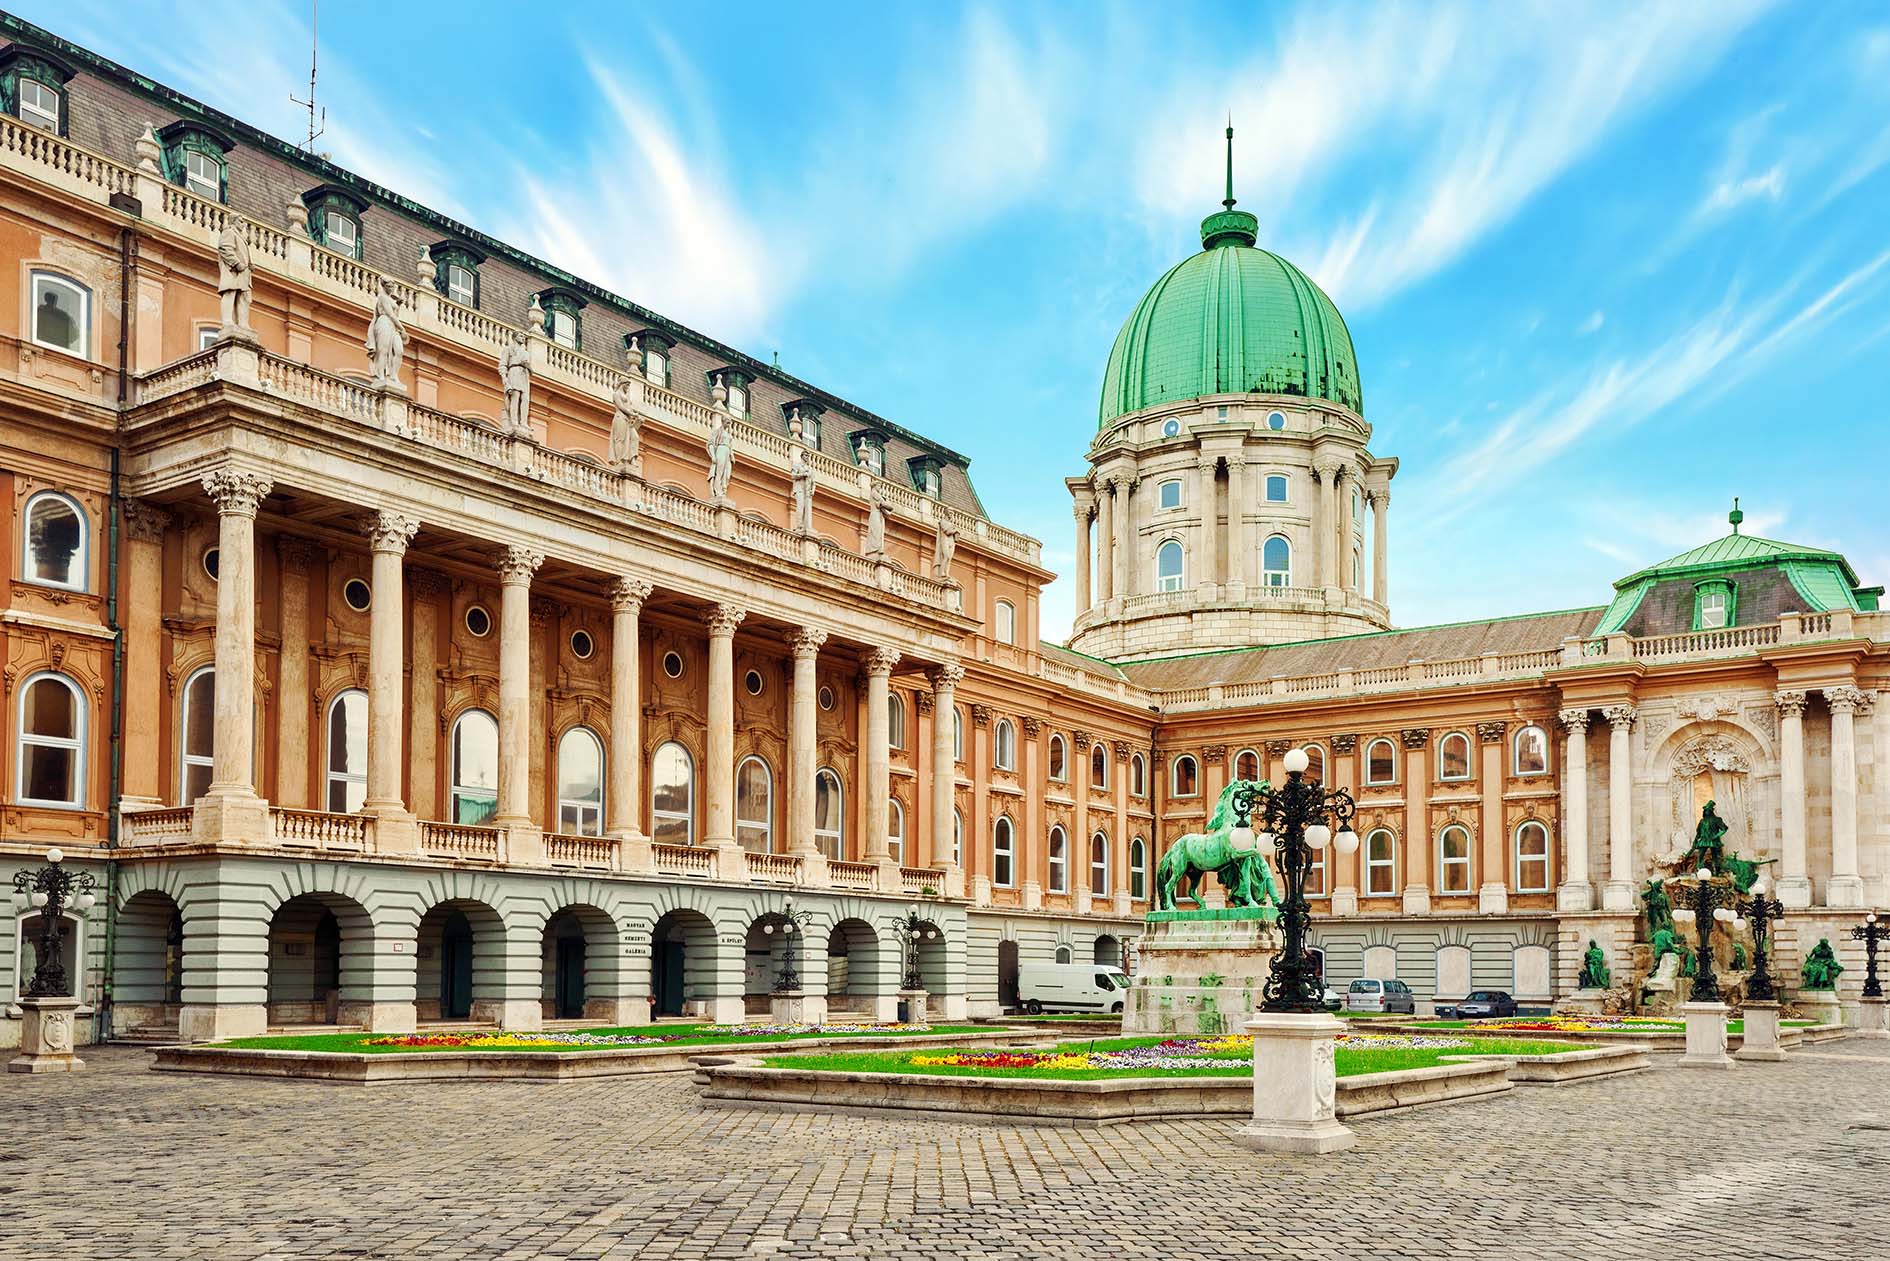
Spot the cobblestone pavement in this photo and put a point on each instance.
(1779, 1160)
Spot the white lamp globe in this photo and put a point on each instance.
(1759, 886)
(1871, 918)
(1346, 842)
(85, 902)
(767, 928)
(1703, 874)
(1319, 836)
(1266, 840)
(55, 855)
(1723, 915)
(19, 899)
(1241, 837)
(1739, 922)
(39, 899)
(1296, 761)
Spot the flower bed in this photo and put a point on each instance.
(1581, 1024)
(581, 1040)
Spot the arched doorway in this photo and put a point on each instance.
(1007, 975)
(579, 949)
(461, 959)
(308, 936)
(853, 969)
(928, 947)
(1108, 950)
(682, 962)
(148, 965)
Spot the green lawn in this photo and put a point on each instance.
(357, 1043)
(1351, 1061)
(1085, 1016)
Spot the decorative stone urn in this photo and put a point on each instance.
(46, 1034)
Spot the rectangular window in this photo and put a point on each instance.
(1276, 489)
(563, 329)
(206, 337)
(343, 236)
(61, 315)
(39, 104)
(738, 401)
(203, 175)
(1171, 494)
(459, 284)
(656, 366)
(1381, 864)
(1712, 610)
(1316, 875)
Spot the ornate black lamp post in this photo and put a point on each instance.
(1760, 911)
(913, 929)
(50, 890)
(1870, 932)
(1298, 819)
(792, 923)
(1711, 901)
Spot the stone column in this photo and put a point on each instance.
(1325, 565)
(237, 495)
(878, 788)
(1239, 559)
(803, 756)
(719, 774)
(1618, 893)
(1106, 542)
(143, 614)
(624, 797)
(945, 680)
(1207, 567)
(1493, 888)
(1845, 887)
(1575, 892)
(516, 568)
(1794, 880)
(1381, 573)
(1417, 829)
(1082, 556)
(1127, 580)
(389, 533)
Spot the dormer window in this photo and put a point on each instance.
(33, 87)
(869, 450)
(801, 418)
(1713, 604)
(561, 308)
(334, 218)
(925, 474)
(656, 356)
(456, 272)
(194, 159)
(736, 382)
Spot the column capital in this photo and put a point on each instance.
(1122, 750)
(628, 594)
(1216, 754)
(1327, 471)
(1083, 510)
(1207, 464)
(1847, 699)
(723, 620)
(1790, 702)
(1033, 727)
(1620, 717)
(946, 675)
(1492, 732)
(1081, 740)
(1416, 737)
(391, 531)
(518, 564)
(1347, 743)
(980, 715)
(807, 642)
(144, 522)
(1574, 721)
(880, 662)
(1274, 748)
(297, 555)
(236, 493)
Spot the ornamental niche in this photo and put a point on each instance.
(1709, 768)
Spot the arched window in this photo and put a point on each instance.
(475, 769)
(1059, 861)
(1453, 860)
(62, 314)
(830, 828)
(1065, 954)
(197, 735)
(1003, 853)
(754, 806)
(1099, 865)
(1138, 869)
(1358, 569)
(58, 544)
(1098, 765)
(1138, 776)
(1532, 858)
(895, 721)
(1247, 765)
(1186, 779)
(1453, 756)
(958, 734)
(673, 795)
(1059, 768)
(1006, 622)
(346, 764)
(1381, 763)
(581, 783)
(1168, 566)
(1381, 864)
(1276, 562)
(1276, 489)
(896, 830)
(1315, 764)
(1005, 740)
(52, 742)
(958, 837)
(1532, 751)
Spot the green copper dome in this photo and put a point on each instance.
(1232, 319)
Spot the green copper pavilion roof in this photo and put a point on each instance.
(1232, 319)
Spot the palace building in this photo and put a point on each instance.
(403, 629)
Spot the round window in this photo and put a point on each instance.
(478, 621)
(826, 698)
(1171, 428)
(358, 594)
(752, 681)
(210, 563)
(672, 665)
(582, 646)
(1276, 420)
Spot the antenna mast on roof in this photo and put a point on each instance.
(315, 128)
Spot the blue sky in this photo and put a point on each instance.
(1606, 266)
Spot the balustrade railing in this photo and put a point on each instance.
(775, 868)
(845, 875)
(1710, 641)
(925, 881)
(460, 840)
(37, 147)
(177, 376)
(147, 827)
(683, 860)
(318, 829)
(565, 850)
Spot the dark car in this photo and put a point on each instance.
(1480, 1004)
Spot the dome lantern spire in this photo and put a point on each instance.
(1228, 226)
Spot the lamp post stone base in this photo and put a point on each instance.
(797, 1007)
(913, 1001)
(1873, 1018)
(1760, 1041)
(46, 1033)
(1295, 1086)
(1706, 1036)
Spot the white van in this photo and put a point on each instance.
(1071, 987)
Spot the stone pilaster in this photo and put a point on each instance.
(1618, 893)
(803, 755)
(389, 534)
(945, 680)
(1846, 887)
(624, 800)
(516, 568)
(1575, 892)
(878, 788)
(719, 819)
(1794, 880)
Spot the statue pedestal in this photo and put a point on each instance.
(1583, 1003)
(46, 1032)
(797, 1007)
(1760, 1040)
(1200, 972)
(1873, 1018)
(913, 1001)
(1295, 1086)
(1706, 1036)
(1821, 1006)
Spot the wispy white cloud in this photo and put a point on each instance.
(1767, 185)
(1592, 324)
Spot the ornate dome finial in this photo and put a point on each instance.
(1228, 226)
(1735, 516)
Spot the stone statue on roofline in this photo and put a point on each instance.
(721, 449)
(803, 474)
(234, 278)
(944, 546)
(873, 546)
(515, 374)
(386, 342)
(626, 444)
